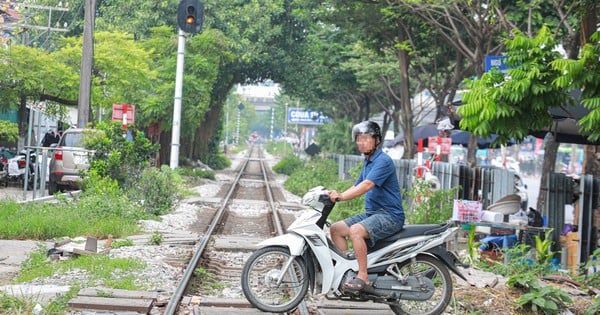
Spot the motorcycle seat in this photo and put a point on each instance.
(410, 231)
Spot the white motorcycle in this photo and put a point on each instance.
(408, 271)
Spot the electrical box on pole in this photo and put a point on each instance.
(190, 16)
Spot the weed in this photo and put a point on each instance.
(425, 205)
(96, 270)
(472, 246)
(542, 248)
(156, 238)
(121, 243)
(547, 299)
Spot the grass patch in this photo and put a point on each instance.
(42, 221)
(95, 270)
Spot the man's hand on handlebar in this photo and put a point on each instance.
(335, 196)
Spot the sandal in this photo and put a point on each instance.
(357, 284)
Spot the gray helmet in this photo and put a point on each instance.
(367, 127)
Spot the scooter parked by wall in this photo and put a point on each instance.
(408, 271)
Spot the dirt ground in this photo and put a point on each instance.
(485, 297)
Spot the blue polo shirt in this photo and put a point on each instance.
(380, 169)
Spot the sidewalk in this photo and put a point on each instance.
(13, 254)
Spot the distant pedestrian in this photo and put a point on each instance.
(49, 138)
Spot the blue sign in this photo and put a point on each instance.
(498, 62)
(305, 117)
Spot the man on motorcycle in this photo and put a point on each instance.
(383, 216)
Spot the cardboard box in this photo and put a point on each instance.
(573, 237)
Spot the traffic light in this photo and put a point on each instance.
(190, 16)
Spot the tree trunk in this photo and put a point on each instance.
(405, 103)
(205, 134)
(591, 164)
(165, 148)
(550, 150)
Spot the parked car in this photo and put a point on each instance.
(69, 160)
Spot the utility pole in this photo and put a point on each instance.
(272, 122)
(87, 58)
(175, 134)
(48, 28)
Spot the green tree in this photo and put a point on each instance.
(506, 104)
(8, 131)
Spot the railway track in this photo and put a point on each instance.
(249, 208)
(249, 212)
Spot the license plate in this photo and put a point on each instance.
(80, 159)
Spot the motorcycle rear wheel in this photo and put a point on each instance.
(430, 267)
(261, 273)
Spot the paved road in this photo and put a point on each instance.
(16, 193)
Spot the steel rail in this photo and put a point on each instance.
(302, 308)
(173, 304)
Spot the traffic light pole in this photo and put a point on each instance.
(177, 103)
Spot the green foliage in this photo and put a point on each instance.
(117, 157)
(547, 299)
(594, 307)
(156, 238)
(157, 190)
(591, 279)
(96, 270)
(336, 137)
(208, 281)
(584, 74)
(424, 205)
(280, 148)
(8, 131)
(217, 161)
(504, 105)
(121, 243)
(542, 248)
(92, 214)
(519, 261)
(194, 177)
(323, 172)
(316, 172)
(472, 246)
(288, 165)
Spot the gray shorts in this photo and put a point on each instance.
(379, 225)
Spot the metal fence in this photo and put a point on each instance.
(582, 194)
(489, 184)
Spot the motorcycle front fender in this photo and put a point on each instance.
(293, 242)
(296, 244)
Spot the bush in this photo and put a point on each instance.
(218, 162)
(288, 165)
(193, 174)
(423, 205)
(157, 190)
(118, 157)
(280, 148)
(323, 172)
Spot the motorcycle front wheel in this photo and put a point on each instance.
(269, 287)
(430, 267)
